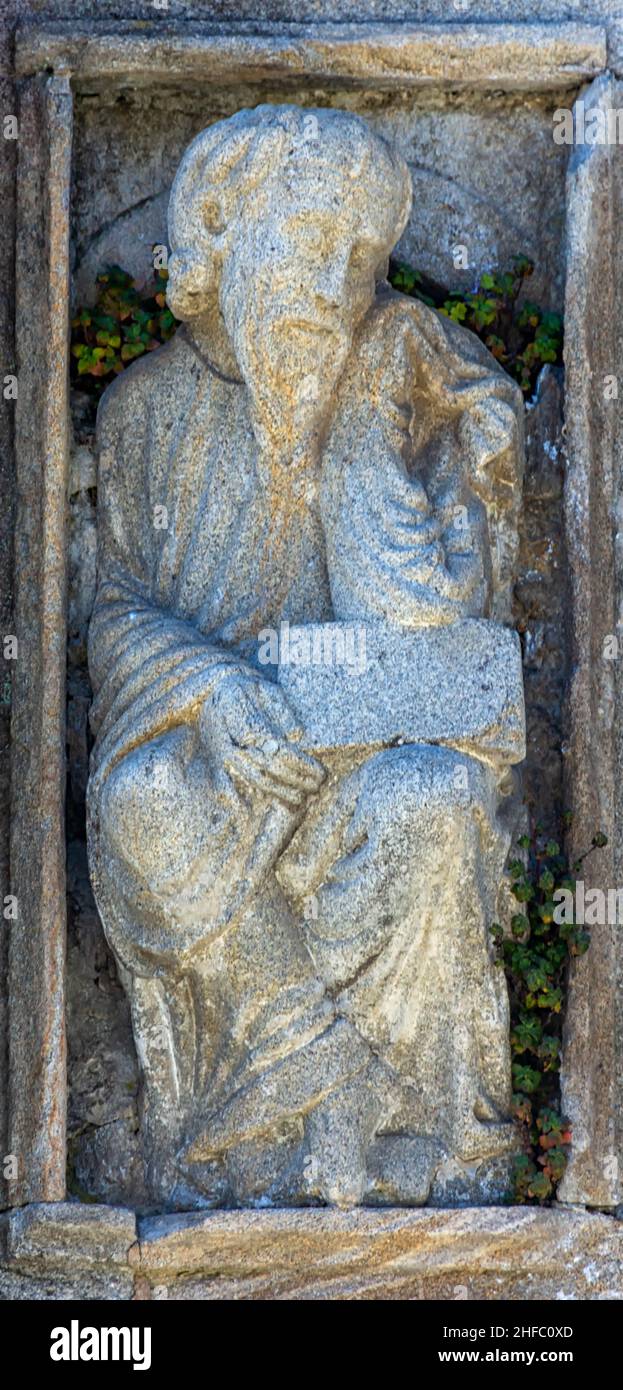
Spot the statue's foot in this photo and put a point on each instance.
(401, 1169)
(414, 1171)
(335, 1171)
(486, 1139)
(338, 1134)
(199, 1186)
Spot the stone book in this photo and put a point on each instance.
(373, 685)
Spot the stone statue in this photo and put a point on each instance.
(296, 862)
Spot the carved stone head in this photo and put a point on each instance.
(280, 222)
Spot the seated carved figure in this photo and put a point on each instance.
(302, 931)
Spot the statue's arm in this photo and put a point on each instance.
(455, 378)
(148, 667)
(429, 429)
(152, 670)
(484, 410)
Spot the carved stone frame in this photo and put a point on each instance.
(52, 62)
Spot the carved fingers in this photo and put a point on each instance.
(250, 731)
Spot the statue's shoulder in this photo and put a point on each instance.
(396, 315)
(399, 328)
(142, 386)
(396, 332)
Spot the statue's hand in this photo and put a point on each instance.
(489, 433)
(250, 732)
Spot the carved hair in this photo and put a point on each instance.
(225, 163)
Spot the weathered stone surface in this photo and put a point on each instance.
(274, 13)
(375, 473)
(615, 46)
(37, 934)
(472, 185)
(68, 1236)
(476, 1254)
(477, 189)
(591, 1187)
(104, 1158)
(353, 685)
(127, 242)
(104, 1149)
(8, 159)
(66, 1250)
(593, 1165)
(463, 55)
(82, 543)
(52, 1287)
(69, 1251)
(593, 1033)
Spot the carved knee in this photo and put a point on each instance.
(418, 781)
(142, 802)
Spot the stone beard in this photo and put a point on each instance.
(297, 884)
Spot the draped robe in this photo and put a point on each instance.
(244, 1022)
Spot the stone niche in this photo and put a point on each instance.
(106, 112)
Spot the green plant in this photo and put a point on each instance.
(127, 321)
(124, 323)
(521, 337)
(535, 956)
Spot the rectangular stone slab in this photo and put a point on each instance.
(365, 685)
(37, 1048)
(59, 1235)
(510, 57)
(593, 1036)
(485, 1253)
(475, 1252)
